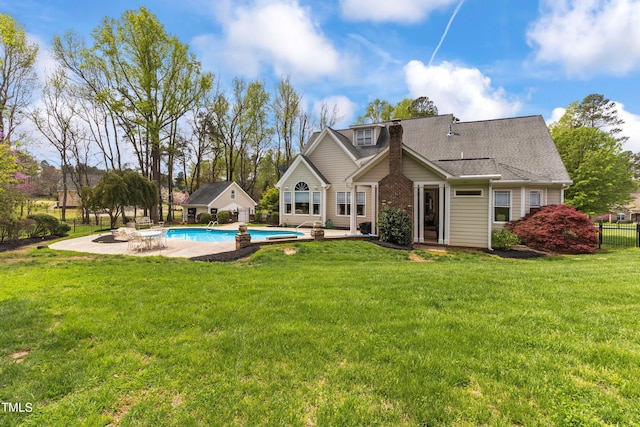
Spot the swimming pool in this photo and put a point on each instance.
(216, 235)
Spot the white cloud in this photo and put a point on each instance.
(588, 36)
(630, 128)
(280, 34)
(401, 11)
(346, 109)
(464, 92)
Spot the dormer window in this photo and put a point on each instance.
(364, 137)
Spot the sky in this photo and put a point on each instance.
(476, 59)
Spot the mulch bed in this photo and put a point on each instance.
(108, 238)
(518, 252)
(227, 256)
(23, 243)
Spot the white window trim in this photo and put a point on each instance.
(540, 193)
(455, 193)
(348, 203)
(496, 206)
(364, 138)
(284, 203)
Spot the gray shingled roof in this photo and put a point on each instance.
(207, 193)
(518, 149)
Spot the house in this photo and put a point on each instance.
(219, 196)
(457, 180)
(73, 191)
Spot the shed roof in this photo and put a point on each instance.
(208, 193)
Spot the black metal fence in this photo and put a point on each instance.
(619, 235)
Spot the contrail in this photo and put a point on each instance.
(446, 30)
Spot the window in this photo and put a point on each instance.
(316, 203)
(302, 199)
(468, 193)
(343, 208)
(364, 137)
(535, 199)
(344, 203)
(361, 197)
(502, 206)
(287, 202)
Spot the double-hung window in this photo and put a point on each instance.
(364, 137)
(535, 199)
(316, 203)
(343, 200)
(287, 202)
(343, 203)
(502, 206)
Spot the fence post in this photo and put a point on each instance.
(638, 235)
(600, 235)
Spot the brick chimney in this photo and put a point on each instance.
(395, 148)
(395, 189)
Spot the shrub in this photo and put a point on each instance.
(10, 229)
(205, 218)
(394, 226)
(63, 229)
(44, 224)
(503, 239)
(557, 228)
(223, 217)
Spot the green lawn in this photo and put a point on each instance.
(339, 333)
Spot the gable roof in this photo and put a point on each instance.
(343, 140)
(307, 163)
(513, 149)
(208, 193)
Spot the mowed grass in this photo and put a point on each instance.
(332, 333)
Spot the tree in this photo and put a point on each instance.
(594, 111)
(17, 75)
(377, 111)
(381, 111)
(557, 228)
(55, 121)
(600, 170)
(423, 107)
(116, 189)
(144, 76)
(289, 122)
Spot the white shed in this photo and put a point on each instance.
(219, 196)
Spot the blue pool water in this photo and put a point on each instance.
(206, 235)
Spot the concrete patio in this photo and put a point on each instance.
(175, 247)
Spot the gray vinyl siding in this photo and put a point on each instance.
(469, 218)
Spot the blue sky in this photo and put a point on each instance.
(477, 59)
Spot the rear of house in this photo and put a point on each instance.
(458, 181)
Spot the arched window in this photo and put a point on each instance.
(302, 198)
(302, 186)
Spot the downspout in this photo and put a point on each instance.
(490, 216)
